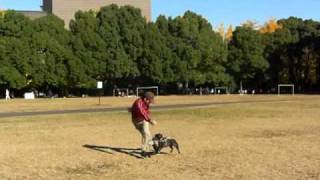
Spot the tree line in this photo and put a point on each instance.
(118, 46)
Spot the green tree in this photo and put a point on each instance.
(119, 28)
(10, 63)
(88, 46)
(14, 55)
(246, 59)
(200, 53)
(156, 62)
(15, 25)
(54, 64)
(292, 53)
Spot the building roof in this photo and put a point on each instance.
(33, 14)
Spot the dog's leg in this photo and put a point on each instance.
(177, 147)
(155, 148)
(159, 149)
(171, 147)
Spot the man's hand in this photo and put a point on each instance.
(153, 122)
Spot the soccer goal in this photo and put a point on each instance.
(121, 92)
(141, 90)
(285, 88)
(221, 90)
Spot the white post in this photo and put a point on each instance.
(137, 90)
(151, 87)
(286, 85)
(293, 91)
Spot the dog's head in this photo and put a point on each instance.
(157, 144)
(158, 136)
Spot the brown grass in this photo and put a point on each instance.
(278, 140)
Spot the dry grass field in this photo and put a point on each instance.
(271, 140)
(22, 105)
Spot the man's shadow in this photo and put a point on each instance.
(134, 152)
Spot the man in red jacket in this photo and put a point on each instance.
(141, 119)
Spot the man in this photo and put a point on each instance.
(141, 119)
(7, 95)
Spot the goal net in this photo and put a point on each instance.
(286, 89)
(141, 90)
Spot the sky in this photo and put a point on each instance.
(228, 12)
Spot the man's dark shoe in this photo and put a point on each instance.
(145, 154)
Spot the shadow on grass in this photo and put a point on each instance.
(110, 150)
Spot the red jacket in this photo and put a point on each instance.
(140, 111)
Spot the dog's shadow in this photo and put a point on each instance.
(133, 152)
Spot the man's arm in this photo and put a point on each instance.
(153, 122)
(144, 112)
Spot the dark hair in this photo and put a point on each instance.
(148, 95)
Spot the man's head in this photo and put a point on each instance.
(148, 97)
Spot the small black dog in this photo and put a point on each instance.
(160, 142)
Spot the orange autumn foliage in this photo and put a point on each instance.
(270, 26)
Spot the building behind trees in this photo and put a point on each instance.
(65, 9)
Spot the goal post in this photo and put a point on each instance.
(154, 89)
(217, 90)
(281, 86)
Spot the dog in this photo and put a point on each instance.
(160, 142)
